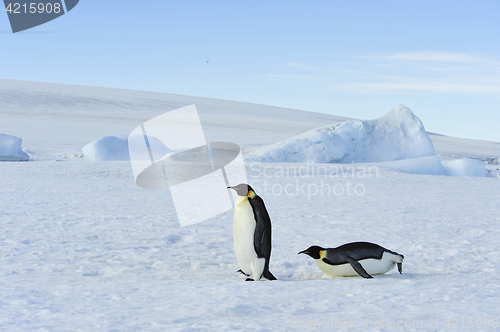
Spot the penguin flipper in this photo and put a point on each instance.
(358, 268)
(262, 234)
(400, 268)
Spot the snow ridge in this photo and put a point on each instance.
(396, 135)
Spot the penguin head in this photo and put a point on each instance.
(313, 251)
(242, 189)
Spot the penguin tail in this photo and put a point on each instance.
(268, 275)
(400, 265)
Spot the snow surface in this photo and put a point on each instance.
(424, 165)
(11, 149)
(449, 148)
(82, 248)
(464, 167)
(397, 135)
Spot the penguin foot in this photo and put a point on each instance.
(249, 279)
(268, 275)
(240, 271)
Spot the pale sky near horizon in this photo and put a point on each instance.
(351, 58)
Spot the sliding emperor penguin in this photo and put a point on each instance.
(252, 234)
(357, 258)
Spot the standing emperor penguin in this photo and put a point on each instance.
(251, 234)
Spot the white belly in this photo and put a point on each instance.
(243, 235)
(372, 266)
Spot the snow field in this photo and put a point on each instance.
(464, 167)
(55, 119)
(82, 248)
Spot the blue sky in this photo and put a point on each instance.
(352, 58)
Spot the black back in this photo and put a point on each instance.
(356, 251)
(262, 235)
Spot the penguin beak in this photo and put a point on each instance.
(232, 188)
(304, 252)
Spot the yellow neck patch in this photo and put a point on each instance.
(251, 194)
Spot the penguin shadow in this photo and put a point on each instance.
(282, 274)
(309, 276)
(304, 276)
